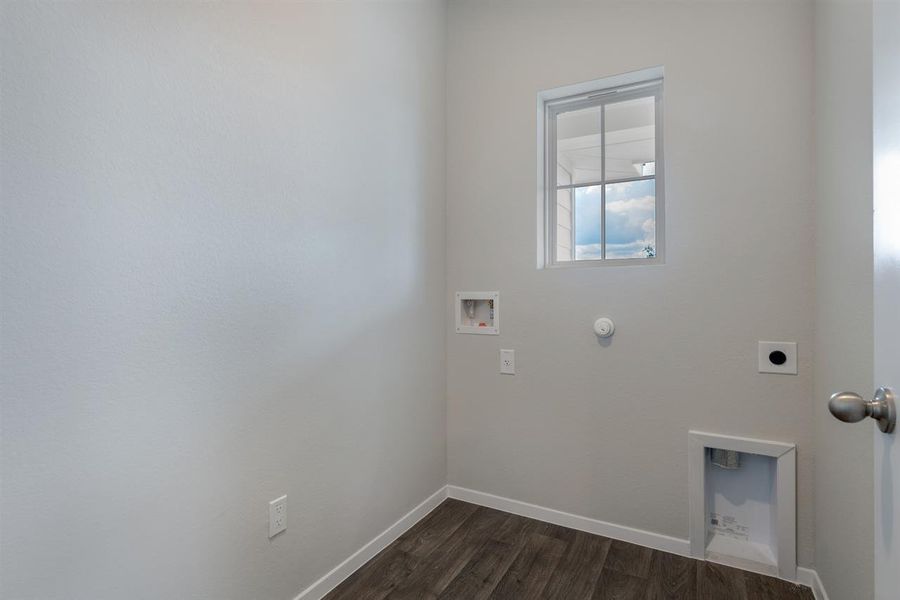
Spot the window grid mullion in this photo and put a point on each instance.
(572, 222)
(610, 182)
(603, 185)
(552, 204)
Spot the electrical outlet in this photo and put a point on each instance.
(508, 362)
(277, 516)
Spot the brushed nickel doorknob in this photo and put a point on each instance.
(852, 408)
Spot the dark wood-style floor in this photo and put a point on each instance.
(465, 552)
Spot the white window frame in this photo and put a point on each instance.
(638, 84)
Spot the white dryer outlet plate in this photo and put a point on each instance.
(778, 357)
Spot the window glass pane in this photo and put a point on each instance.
(564, 225)
(578, 146)
(631, 219)
(588, 224)
(630, 138)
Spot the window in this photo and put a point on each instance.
(603, 193)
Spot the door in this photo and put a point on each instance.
(886, 186)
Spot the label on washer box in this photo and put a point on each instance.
(728, 526)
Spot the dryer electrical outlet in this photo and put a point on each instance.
(778, 357)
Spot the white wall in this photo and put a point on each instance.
(844, 344)
(601, 430)
(222, 281)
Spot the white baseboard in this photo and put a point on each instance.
(657, 541)
(619, 532)
(330, 580)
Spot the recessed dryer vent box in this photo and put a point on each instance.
(478, 312)
(744, 515)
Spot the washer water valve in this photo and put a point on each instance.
(604, 327)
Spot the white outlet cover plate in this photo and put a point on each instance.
(790, 351)
(277, 516)
(508, 362)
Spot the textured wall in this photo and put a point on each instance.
(601, 430)
(222, 281)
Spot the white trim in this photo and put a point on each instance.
(810, 578)
(613, 81)
(330, 580)
(742, 444)
(549, 515)
(786, 495)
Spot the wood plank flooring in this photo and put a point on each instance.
(465, 552)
